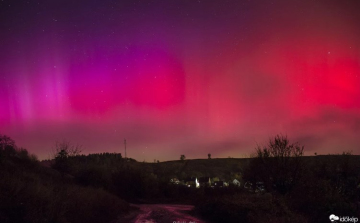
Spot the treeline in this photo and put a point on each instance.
(30, 192)
(121, 176)
(139, 181)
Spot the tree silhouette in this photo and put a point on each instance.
(68, 147)
(277, 164)
(209, 156)
(6, 141)
(64, 150)
(7, 147)
(182, 157)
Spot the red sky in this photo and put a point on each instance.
(180, 77)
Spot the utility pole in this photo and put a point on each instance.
(125, 146)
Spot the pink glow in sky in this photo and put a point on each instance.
(180, 77)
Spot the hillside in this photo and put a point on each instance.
(228, 168)
(222, 168)
(30, 192)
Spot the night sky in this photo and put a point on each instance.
(180, 77)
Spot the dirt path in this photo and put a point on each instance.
(161, 213)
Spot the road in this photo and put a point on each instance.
(161, 213)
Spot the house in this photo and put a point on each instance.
(205, 181)
(249, 186)
(260, 187)
(192, 182)
(236, 183)
(219, 184)
(175, 181)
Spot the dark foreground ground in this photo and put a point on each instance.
(160, 213)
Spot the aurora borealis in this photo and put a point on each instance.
(180, 77)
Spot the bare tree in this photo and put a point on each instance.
(64, 150)
(68, 148)
(277, 164)
(7, 146)
(6, 141)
